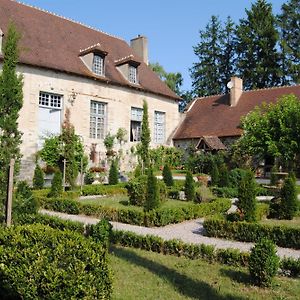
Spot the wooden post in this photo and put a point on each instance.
(64, 175)
(81, 174)
(10, 192)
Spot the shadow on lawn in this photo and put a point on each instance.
(186, 286)
(237, 276)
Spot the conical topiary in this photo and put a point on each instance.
(167, 175)
(113, 173)
(189, 187)
(38, 178)
(56, 185)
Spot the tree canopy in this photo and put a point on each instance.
(274, 130)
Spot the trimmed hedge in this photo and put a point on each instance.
(102, 189)
(282, 236)
(159, 217)
(288, 266)
(38, 262)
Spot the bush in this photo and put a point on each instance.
(38, 178)
(38, 262)
(56, 185)
(235, 177)
(167, 176)
(247, 197)
(103, 189)
(89, 177)
(214, 173)
(189, 187)
(283, 236)
(203, 194)
(288, 207)
(152, 192)
(225, 192)
(101, 232)
(263, 262)
(223, 175)
(113, 173)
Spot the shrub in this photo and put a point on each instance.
(288, 207)
(203, 194)
(167, 176)
(247, 197)
(225, 192)
(89, 177)
(214, 173)
(152, 192)
(235, 177)
(263, 262)
(101, 232)
(189, 187)
(38, 262)
(223, 175)
(102, 189)
(113, 173)
(56, 185)
(137, 188)
(38, 178)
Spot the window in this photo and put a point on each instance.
(98, 64)
(50, 100)
(159, 127)
(97, 119)
(136, 124)
(132, 74)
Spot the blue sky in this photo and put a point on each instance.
(171, 26)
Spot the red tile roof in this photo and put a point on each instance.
(54, 42)
(213, 116)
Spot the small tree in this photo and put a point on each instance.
(152, 196)
(247, 197)
(109, 141)
(38, 178)
(263, 262)
(223, 175)
(214, 173)
(288, 207)
(113, 173)
(56, 185)
(189, 187)
(145, 138)
(167, 176)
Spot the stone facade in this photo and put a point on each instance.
(77, 94)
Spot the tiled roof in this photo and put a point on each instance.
(53, 42)
(213, 142)
(213, 116)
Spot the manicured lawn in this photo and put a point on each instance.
(293, 223)
(121, 201)
(146, 275)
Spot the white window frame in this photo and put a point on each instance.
(50, 100)
(132, 74)
(136, 124)
(98, 64)
(159, 127)
(98, 119)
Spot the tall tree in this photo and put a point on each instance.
(289, 26)
(228, 54)
(205, 73)
(11, 101)
(145, 138)
(173, 80)
(257, 38)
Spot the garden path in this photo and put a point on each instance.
(189, 232)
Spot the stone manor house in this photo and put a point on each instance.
(100, 78)
(103, 82)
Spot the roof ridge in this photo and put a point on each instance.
(210, 96)
(272, 88)
(68, 19)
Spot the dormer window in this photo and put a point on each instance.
(94, 58)
(132, 74)
(128, 67)
(98, 64)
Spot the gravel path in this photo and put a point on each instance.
(188, 232)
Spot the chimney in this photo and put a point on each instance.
(236, 89)
(140, 47)
(1, 40)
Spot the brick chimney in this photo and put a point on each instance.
(140, 47)
(236, 89)
(1, 40)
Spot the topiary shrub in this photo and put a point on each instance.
(214, 173)
(189, 187)
(38, 262)
(247, 197)
(56, 185)
(89, 177)
(101, 232)
(152, 192)
(113, 177)
(38, 178)
(263, 263)
(288, 206)
(167, 176)
(223, 176)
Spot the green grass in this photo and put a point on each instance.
(121, 201)
(146, 275)
(293, 223)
